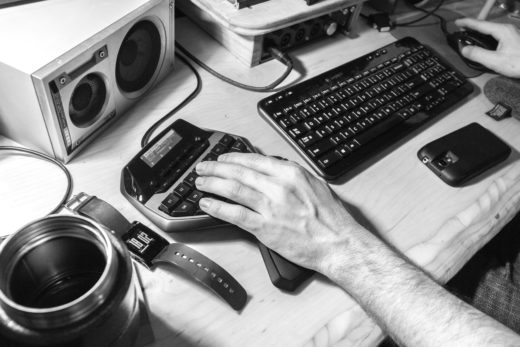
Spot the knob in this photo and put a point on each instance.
(330, 28)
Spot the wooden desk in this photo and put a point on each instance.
(438, 227)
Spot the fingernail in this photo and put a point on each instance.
(199, 181)
(204, 203)
(200, 167)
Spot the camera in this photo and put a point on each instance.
(67, 281)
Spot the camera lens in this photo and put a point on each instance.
(72, 267)
(65, 281)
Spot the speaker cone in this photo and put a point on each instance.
(87, 100)
(138, 57)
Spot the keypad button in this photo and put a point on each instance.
(168, 204)
(182, 190)
(210, 157)
(226, 140)
(184, 209)
(219, 149)
(194, 196)
(239, 146)
(190, 179)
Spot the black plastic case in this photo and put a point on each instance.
(463, 154)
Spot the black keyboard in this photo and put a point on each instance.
(341, 118)
(160, 182)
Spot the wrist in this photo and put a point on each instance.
(344, 254)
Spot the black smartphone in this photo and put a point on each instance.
(463, 154)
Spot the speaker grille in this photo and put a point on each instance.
(138, 57)
(87, 100)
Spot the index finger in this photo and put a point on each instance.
(494, 29)
(266, 165)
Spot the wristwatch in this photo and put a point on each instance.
(150, 249)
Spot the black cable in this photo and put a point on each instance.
(426, 15)
(275, 53)
(42, 156)
(146, 137)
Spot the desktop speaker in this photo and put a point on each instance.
(69, 68)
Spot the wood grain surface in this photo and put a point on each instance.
(436, 226)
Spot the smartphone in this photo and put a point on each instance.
(463, 154)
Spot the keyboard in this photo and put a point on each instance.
(343, 117)
(160, 182)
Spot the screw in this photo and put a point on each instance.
(63, 80)
(102, 54)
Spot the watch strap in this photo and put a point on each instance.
(150, 249)
(205, 271)
(100, 211)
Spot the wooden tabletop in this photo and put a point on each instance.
(394, 195)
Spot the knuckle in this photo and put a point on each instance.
(241, 216)
(239, 171)
(236, 189)
(296, 171)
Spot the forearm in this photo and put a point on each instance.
(406, 302)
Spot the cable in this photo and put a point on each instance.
(45, 157)
(146, 137)
(427, 13)
(275, 53)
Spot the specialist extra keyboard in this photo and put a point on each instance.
(341, 118)
(160, 182)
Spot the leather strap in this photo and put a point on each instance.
(100, 211)
(150, 249)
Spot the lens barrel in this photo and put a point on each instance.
(66, 281)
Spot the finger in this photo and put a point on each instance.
(235, 214)
(480, 55)
(494, 29)
(235, 172)
(261, 163)
(232, 190)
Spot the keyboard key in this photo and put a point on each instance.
(182, 190)
(218, 149)
(226, 140)
(194, 196)
(238, 146)
(184, 209)
(320, 148)
(308, 140)
(329, 159)
(168, 204)
(190, 179)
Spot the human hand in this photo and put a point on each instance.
(505, 59)
(282, 204)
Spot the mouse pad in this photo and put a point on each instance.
(504, 90)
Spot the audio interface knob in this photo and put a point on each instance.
(331, 28)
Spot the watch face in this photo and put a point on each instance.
(143, 243)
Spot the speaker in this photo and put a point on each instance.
(69, 68)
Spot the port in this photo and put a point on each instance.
(300, 34)
(316, 29)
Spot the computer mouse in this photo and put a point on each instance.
(460, 39)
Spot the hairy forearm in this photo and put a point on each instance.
(407, 303)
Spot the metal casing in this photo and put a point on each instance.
(44, 43)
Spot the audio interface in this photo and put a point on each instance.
(248, 33)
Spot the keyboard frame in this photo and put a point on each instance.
(387, 140)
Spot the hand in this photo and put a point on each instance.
(283, 205)
(506, 59)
